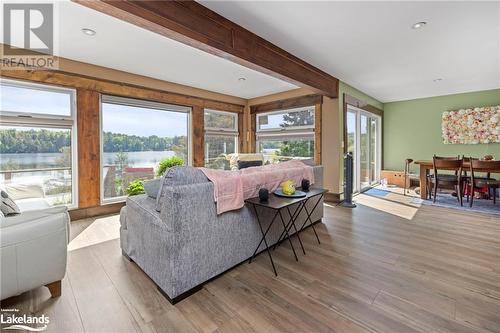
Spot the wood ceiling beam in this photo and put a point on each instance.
(193, 24)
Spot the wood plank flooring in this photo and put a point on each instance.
(437, 270)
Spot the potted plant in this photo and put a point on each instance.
(167, 163)
(135, 188)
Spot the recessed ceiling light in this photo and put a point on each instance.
(88, 32)
(437, 80)
(419, 25)
(242, 79)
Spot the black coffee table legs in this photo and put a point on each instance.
(302, 206)
(277, 204)
(264, 238)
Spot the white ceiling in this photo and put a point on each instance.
(122, 46)
(371, 46)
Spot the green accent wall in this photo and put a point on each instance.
(412, 129)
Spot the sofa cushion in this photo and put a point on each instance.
(179, 175)
(7, 205)
(151, 187)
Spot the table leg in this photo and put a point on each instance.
(309, 218)
(288, 235)
(264, 239)
(294, 227)
(295, 216)
(423, 182)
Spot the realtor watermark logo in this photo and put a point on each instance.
(29, 35)
(10, 319)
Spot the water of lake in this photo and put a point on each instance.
(49, 160)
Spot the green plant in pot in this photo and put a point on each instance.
(167, 163)
(135, 188)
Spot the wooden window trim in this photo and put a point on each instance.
(88, 94)
(109, 87)
(289, 103)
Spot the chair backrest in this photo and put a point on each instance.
(447, 163)
(483, 166)
(468, 159)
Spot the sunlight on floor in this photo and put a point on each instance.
(100, 230)
(403, 210)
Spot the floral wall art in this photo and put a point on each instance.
(471, 126)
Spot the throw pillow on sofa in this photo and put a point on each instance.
(234, 158)
(8, 206)
(248, 164)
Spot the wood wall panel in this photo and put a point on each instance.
(193, 24)
(241, 134)
(83, 213)
(317, 133)
(89, 148)
(198, 131)
(253, 133)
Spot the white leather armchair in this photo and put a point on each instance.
(33, 250)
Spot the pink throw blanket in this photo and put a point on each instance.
(231, 188)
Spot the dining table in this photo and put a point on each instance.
(426, 166)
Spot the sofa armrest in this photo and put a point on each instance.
(19, 231)
(145, 208)
(32, 215)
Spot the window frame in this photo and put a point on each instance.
(140, 103)
(289, 128)
(39, 120)
(218, 131)
(221, 129)
(286, 133)
(42, 87)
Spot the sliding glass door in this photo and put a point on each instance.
(363, 141)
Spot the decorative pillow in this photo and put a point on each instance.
(24, 191)
(248, 164)
(152, 187)
(234, 158)
(8, 206)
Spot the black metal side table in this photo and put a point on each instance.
(278, 204)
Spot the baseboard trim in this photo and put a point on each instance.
(83, 213)
(333, 197)
(197, 288)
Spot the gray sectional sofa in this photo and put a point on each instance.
(180, 242)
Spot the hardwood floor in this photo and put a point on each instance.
(434, 270)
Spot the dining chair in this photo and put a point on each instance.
(476, 182)
(439, 178)
(407, 175)
(465, 177)
(427, 180)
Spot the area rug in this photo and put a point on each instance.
(377, 192)
(480, 205)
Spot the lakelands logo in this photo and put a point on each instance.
(10, 320)
(29, 35)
